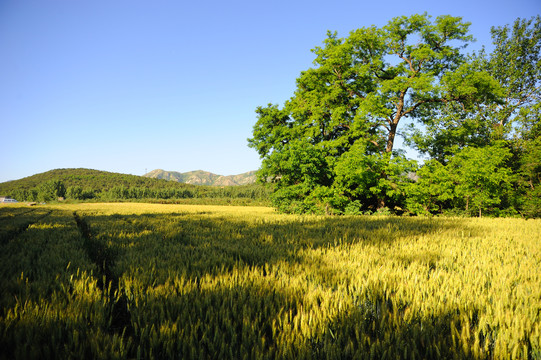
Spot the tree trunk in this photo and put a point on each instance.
(391, 136)
(381, 202)
(393, 125)
(388, 148)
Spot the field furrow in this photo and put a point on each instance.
(15, 221)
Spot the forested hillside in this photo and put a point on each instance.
(86, 178)
(87, 184)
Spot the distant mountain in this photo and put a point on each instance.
(200, 177)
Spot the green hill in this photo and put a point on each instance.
(85, 178)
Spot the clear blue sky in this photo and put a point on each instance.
(125, 86)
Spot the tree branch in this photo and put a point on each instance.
(410, 63)
(416, 105)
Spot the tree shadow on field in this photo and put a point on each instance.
(377, 326)
(197, 244)
(202, 286)
(254, 319)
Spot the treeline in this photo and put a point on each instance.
(53, 190)
(93, 185)
(475, 118)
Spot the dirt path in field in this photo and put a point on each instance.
(101, 255)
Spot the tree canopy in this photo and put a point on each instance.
(331, 147)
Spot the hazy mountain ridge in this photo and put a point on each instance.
(200, 177)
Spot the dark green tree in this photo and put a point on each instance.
(530, 172)
(475, 179)
(51, 190)
(433, 191)
(74, 192)
(528, 151)
(481, 176)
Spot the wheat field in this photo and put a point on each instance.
(150, 281)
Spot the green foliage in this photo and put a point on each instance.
(515, 116)
(330, 149)
(338, 129)
(476, 178)
(481, 175)
(85, 178)
(530, 178)
(51, 190)
(75, 192)
(432, 191)
(78, 193)
(298, 163)
(358, 176)
(515, 64)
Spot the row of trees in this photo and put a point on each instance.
(47, 191)
(52, 190)
(475, 117)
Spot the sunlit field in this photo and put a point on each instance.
(154, 281)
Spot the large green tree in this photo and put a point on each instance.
(335, 137)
